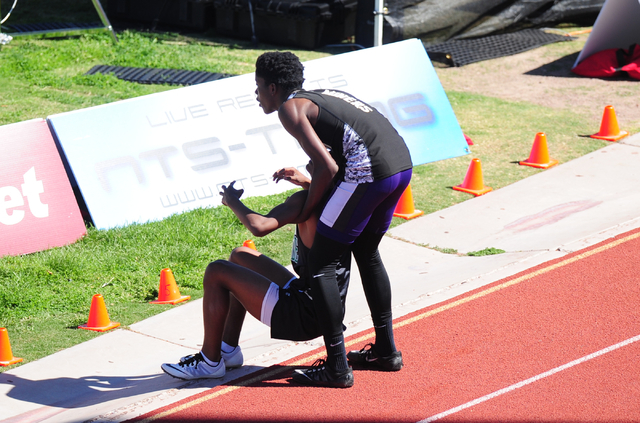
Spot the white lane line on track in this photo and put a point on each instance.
(530, 380)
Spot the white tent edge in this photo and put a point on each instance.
(617, 26)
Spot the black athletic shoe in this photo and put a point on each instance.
(319, 374)
(368, 359)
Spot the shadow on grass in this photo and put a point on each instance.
(561, 68)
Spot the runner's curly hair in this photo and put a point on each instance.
(281, 68)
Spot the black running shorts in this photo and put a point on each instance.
(294, 316)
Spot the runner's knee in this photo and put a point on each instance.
(240, 254)
(216, 272)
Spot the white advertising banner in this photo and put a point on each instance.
(146, 158)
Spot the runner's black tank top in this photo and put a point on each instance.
(362, 141)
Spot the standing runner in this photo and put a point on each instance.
(361, 167)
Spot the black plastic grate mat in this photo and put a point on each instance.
(53, 26)
(157, 76)
(463, 52)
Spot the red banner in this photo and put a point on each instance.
(37, 207)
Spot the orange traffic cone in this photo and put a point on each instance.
(473, 183)
(168, 293)
(98, 316)
(6, 356)
(249, 244)
(609, 129)
(405, 208)
(539, 156)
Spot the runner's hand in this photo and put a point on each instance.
(293, 175)
(230, 193)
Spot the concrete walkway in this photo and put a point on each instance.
(117, 376)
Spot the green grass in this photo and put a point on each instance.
(46, 295)
(486, 252)
(44, 77)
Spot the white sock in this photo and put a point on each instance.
(226, 348)
(209, 362)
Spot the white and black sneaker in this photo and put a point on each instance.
(319, 374)
(194, 367)
(232, 360)
(368, 359)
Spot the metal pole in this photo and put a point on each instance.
(378, 22)
(104, 19)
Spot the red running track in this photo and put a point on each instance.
(557, 343)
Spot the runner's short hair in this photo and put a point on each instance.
(281, 68)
